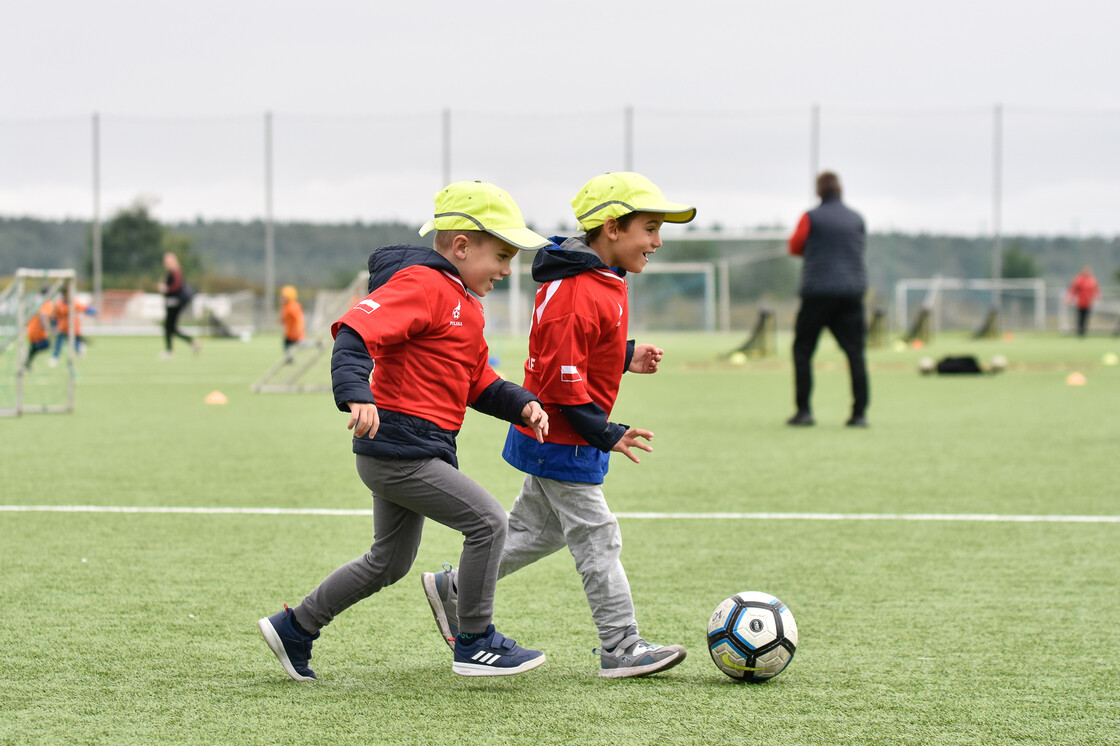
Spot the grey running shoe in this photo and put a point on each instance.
(443, 597)
(636, 657)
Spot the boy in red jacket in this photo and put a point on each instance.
(424, 330)
(578, 352)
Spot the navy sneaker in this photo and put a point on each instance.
(291, 646)
(493, 654)
(444, 600)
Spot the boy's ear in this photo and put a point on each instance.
(459, 246)
(610, 229)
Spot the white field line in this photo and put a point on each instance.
(990, 517)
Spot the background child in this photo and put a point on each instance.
(39, 328)
(62, 325)
(578, 352)
(425, 332)
(291, 316)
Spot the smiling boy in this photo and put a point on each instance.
(425, 332)
(578, 352)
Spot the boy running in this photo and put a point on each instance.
(424, 330)
(578, 352)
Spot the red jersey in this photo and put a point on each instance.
(424, 333)
(577, 347)
(1084, 290)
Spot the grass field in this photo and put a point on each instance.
(931, 609)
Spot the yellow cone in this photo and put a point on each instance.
(1075, 379)
(216, 397)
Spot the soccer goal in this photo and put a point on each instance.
(299, 369)
(32, 380)
(948, 303)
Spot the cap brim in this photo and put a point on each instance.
(427, 227)
(674, 212)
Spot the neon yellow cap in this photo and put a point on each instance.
(478, 206)
(613, 195)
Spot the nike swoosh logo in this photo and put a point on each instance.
(726, 658)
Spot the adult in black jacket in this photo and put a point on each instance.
(831, 241)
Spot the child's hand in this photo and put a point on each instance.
(364, 419)
(645, 360)
(535, 417)
(630, 440)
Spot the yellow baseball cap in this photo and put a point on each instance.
(613, 195)
(288, 292)
(478, 206)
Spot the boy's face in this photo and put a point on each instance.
(482, 261)
(630, 248)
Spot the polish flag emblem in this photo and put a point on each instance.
(569, 374)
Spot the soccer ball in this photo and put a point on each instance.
(999, 363)
(752, 636)
(926, 366)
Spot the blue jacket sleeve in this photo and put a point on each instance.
(629, 355)
(504, 400)
(351, 366)
(590, 421)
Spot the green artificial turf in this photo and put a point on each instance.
(124, 627)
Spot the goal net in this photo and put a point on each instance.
(33, 378)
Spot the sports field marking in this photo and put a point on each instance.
(989, 517)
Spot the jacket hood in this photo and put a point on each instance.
(568, 258)
(388, 260)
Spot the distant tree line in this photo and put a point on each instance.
(228, 255)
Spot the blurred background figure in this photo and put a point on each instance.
(39, 328)
(1081, 294)
(830, 239)
(177, 295)
(291, 316)
(62, 324)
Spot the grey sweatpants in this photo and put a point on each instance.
(549, 514)
(404, 492)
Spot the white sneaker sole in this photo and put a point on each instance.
(268, 632)
(626, 672)
(477, 669)
(428, 580)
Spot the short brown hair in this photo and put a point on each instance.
(828, 185)
(443, 239)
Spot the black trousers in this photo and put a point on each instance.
(1082, 320)
(842, 315)
(171, 327)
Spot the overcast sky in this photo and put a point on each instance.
(722, 94)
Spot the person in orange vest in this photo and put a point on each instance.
(1082, 292)
(39, 328)
(62, 325)
(291, 316)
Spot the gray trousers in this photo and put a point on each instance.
(404, 492)
(549, 514)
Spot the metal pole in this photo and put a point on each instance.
(725, 295)
(814, 144)
(269, 228)
(628, 139)
(997, 199)
(446, 147)
(97, 278)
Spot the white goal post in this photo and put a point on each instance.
(23, 390)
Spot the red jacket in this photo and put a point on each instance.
(1083, 290)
